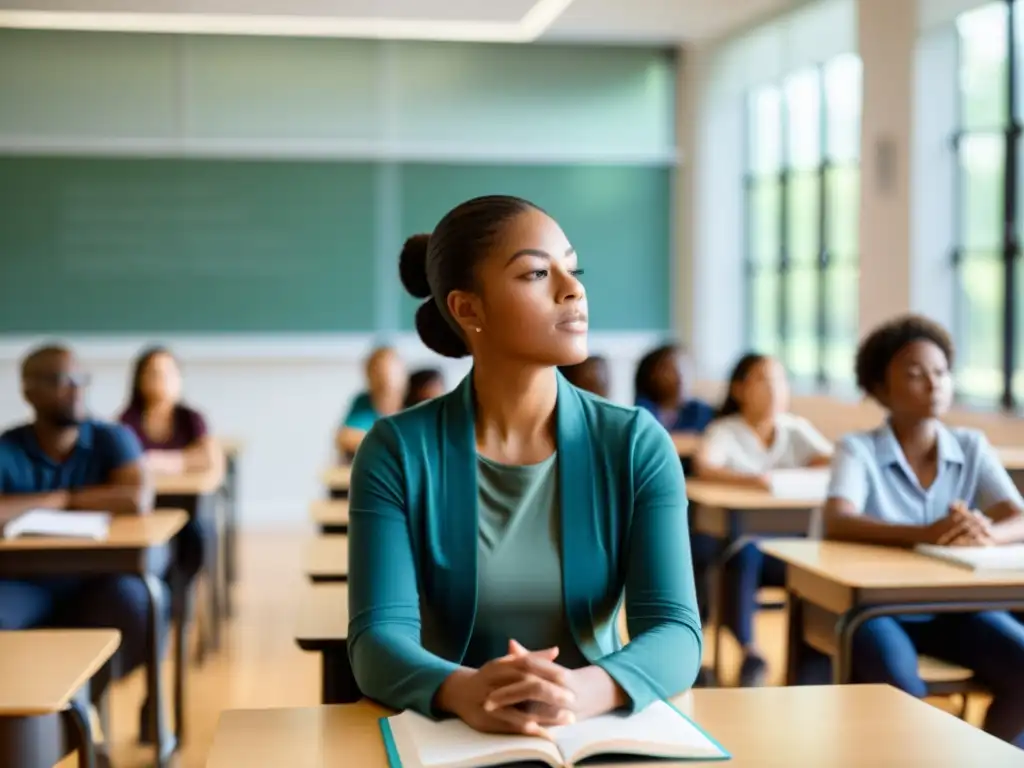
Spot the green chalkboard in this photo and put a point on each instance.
(616, 216)
(159, 245)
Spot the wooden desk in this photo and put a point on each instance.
(687, 444)
(327, 559)
(323, 629)
(46, 676)
(840, 727)
(833, 588)
(135, 545)
(330, 515)
(337, 479)
(196, 493)
(737, 516)
(232, 448)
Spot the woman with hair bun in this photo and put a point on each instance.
(494, 530)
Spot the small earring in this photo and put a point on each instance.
(478, 329)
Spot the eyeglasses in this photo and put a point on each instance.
(62, 379)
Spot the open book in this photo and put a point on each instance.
(659, 731)
(809, 484)
(49, 522)
(1006, 558)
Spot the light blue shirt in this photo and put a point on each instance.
(870, 471)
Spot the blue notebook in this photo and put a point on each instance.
(659, 732)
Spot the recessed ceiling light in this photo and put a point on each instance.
(527, 29)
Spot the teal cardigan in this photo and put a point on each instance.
(413, 547)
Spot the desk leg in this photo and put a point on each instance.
(163, 740)
(337, 683)
(794, 636)
(212, 569)
(231, 529)
(76, 719)
(184, 600)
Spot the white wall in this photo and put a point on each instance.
(283, 397)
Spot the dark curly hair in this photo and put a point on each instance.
(880, 346)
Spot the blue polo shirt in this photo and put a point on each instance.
(870, 471)
(101, 448)
(693, 415)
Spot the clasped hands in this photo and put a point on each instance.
(523, 692)
(962, 527)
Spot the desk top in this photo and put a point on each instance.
(42, 669)
(126, 532)
(337, 478)
(189, 483)
(728, 496)
(1012, 457)
(323, 613)
(863, 566)
(853, 727)
(329, 512)
(327, 556)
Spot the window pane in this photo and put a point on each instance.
(1018, 375)
(764, 311)
(764, 130)
(803, 118)
(981, 192)
(802, 337)
(843, 100)
(841, 313)
(802, 218)
(764, 198)
(842, 200)
(983, 70)
(980, 326)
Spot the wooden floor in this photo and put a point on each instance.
(260, 666)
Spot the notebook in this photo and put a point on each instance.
(1006, 558)
(659, 731)
(49, 522)
(800, 484)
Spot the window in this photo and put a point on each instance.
(985, 260)
(802, 200)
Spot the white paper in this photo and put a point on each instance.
(1006, 558)
(50, 522)
(800, 484)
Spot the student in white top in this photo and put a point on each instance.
(753, 435)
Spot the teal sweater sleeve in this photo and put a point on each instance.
(388, 659)
(664, 653)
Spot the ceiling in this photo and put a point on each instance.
(631, 21)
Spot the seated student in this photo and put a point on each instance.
(752, 435)
(592, 375)
(386, 388)
(62, 460)
(913, 480)
(424, 384)
(661, 389)
(462, 591)
(175, 440)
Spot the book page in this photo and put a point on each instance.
(50, 522)
(425, 743)
(658, 731)
(1009, 557)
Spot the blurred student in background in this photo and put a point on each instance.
(592, 375)
(660, 386)
(386, 385)
(175, 439)
(915, 481)
(424, 384)
(752, 435)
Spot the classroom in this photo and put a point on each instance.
(449, 384)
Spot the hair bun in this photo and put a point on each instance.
(412, 266)
(436, 333)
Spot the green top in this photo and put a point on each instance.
(519, 565)
(414, 531)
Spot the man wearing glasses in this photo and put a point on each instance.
(64, 460)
